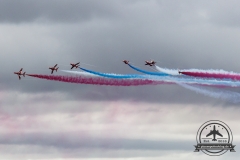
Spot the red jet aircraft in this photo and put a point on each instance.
(126, 62)
(54, 68)
(74, 65)
(150, 63)
(20, 73)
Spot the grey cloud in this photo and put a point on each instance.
(73, 140)
(56, 10)
(168, 12)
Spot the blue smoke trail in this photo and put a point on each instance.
(147, 72)
(108, 75)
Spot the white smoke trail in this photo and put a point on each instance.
(216, 71)
(173, 72)
(113, 75)
(230, 96)
(80, 73)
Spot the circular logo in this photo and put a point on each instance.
(214, 138)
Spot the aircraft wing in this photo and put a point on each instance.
(52, 72)
(19, 77)
(218, 134)
(209, 134)
(77, 63)
(72, 67)
(55, 65)
(21, 69)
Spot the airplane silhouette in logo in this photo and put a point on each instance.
(214, 132)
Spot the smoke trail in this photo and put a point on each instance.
(233, 97)
(99, 80)
(171, 79)
(168, 71)
(80, 73)
(147, 72)
(159, 78)
(153, 79)
(112, 75)
(219, 74)
(205, 82)
(213, 83)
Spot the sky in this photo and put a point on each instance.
(43, 119)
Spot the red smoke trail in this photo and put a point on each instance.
(212, 75)
(99, 80)
(114, 81)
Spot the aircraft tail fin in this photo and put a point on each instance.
(57, 69)
(24, 74)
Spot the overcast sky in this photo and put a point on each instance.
(44, 119)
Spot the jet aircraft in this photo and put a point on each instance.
(19, 73)
(150, 63)
(126, 62)
(74, 65)
(54, 68)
